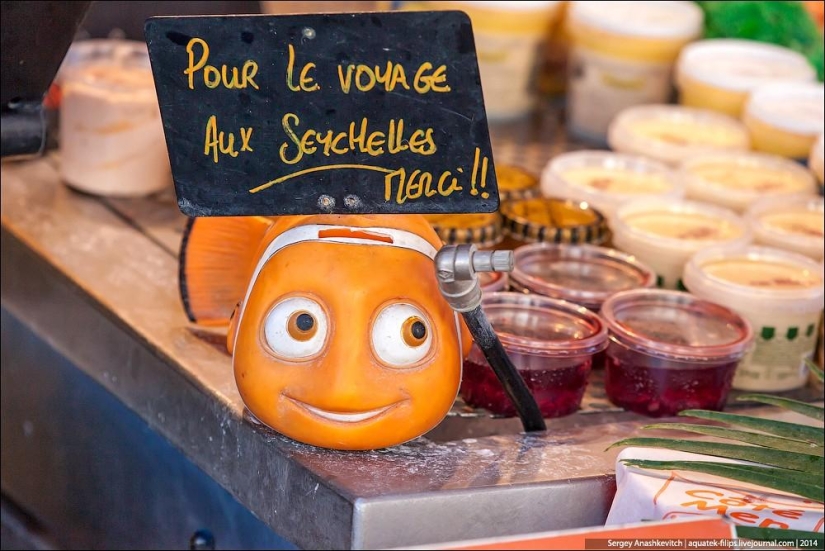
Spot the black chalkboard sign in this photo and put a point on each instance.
(330, 113)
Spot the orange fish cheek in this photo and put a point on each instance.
(262, 381)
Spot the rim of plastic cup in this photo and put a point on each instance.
(775, 205)
(743, 197)
(118, 49)
(676, 299)
(622, 139)
(816, 160)
(553, 182)
(593, 343)
(697, 61)
(622, 229)
(640, 19)
(763, 102)
(583, 253)
(791, 301)
(496, 281)
(511, 5)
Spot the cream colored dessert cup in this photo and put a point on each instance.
(786, 119)
(672, 134)
(719, 74)
(793, 224)
(737, 180)
(111, 135)
(665, 233)
(622, 54)
(780, 293)
(510, 38)
(608, 180)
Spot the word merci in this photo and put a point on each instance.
(402, 185)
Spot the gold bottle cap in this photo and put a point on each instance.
(483, 229)
(516, 183)
(554, 221)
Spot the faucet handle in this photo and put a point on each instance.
(493, 261)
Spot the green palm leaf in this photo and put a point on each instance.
(755, 438)
(785, 480)
(788, 460)
(794, 431)
(805, 409)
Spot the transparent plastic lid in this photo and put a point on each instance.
(791, 223)
(583, 274)
(685, 225)
(104, 51)
(672, 133)
(676, 325)
(542, 326)
(667, 20)
(742, 65)
(736, 180)
(114, 70)
(795, 107)
(608, 180)
(771, 279)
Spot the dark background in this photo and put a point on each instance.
(125, 19)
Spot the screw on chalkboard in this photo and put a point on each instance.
(326, 203)
(352, 202)
(308, 33)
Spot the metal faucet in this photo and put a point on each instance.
(456, 267)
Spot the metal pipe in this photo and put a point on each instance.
(23, 129)
(456, 267)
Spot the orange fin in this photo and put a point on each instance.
(217, 258)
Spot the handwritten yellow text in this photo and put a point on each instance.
(404, 185)
(305, 81)
(359, 137)
(419, 183)
(229, 77)
(217, 143)
(367, 78)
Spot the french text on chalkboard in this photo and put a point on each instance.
(323, 113)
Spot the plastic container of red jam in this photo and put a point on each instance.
(670, 351)
(584, 274)
(551, 342)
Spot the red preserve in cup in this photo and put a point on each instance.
(669, 351)
(551, 342)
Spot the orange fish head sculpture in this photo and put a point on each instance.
(343, 340)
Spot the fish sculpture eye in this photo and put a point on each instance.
(401, 336)
(296, 329)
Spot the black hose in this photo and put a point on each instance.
(515, 387)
